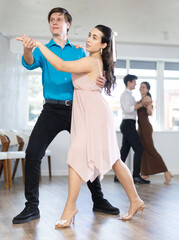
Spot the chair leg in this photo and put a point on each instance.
(9, 172)
(1, 168)
(15, 168)
(49, 166)
(23, 169)
(5, 174)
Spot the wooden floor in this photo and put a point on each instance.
(161, 216)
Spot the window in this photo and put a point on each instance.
(35, 97)
(145, 71)
(171, 96)
(114, 99)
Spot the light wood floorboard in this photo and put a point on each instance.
(161, 216)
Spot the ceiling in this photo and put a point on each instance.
(136, 21)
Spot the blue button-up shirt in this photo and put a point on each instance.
(56, 84)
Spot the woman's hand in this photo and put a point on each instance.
(28, 42)
(146, 101)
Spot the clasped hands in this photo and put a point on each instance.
(146, 103)
(28, 42)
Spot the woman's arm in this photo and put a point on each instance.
(78, 66)
(138, 105)
(84, 65)
(149, 109)
(147, 102)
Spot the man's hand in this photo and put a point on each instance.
(100, 81)
(146, 103)
(79, 46)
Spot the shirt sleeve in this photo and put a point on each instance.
(126, 103)
(37, 60)
(82, 53)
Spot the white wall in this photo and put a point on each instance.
(146, 51)
(166, 144)
(13, 89)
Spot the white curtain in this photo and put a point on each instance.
(13, 88)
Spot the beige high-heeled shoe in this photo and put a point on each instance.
(128, 216)
(66, 223)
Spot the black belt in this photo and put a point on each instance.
(129, 120)
(67, 103)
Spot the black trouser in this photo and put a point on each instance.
(53, 119)
(131, 139)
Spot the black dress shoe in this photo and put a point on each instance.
(116, 179)
(105, 207)
(139, 180)
(29, 213)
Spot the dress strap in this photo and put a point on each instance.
(100, 72)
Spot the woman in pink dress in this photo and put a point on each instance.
(94, 149)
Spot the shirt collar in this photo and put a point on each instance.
(128, 90)
(52, 43)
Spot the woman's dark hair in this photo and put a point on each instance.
(107, 57)
(68, 17)
(148, 87)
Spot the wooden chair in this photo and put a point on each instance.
(14, 141)
(25, 137)
(3, 158)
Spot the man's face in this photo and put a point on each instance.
(58, 25)
(131, 85)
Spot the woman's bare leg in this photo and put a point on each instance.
(146, 177)
(168, 177)
(125, 178)
(74, 185)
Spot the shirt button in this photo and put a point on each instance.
(65, 78)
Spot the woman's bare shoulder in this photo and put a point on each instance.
(147, 98)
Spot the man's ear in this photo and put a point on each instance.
(68, 25)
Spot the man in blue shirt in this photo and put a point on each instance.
(56, 113)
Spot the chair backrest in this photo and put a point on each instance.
(4, 142)
(24, 135)
(12, 137)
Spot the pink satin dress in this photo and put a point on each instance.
(94, 147)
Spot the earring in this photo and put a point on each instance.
(101, 51)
